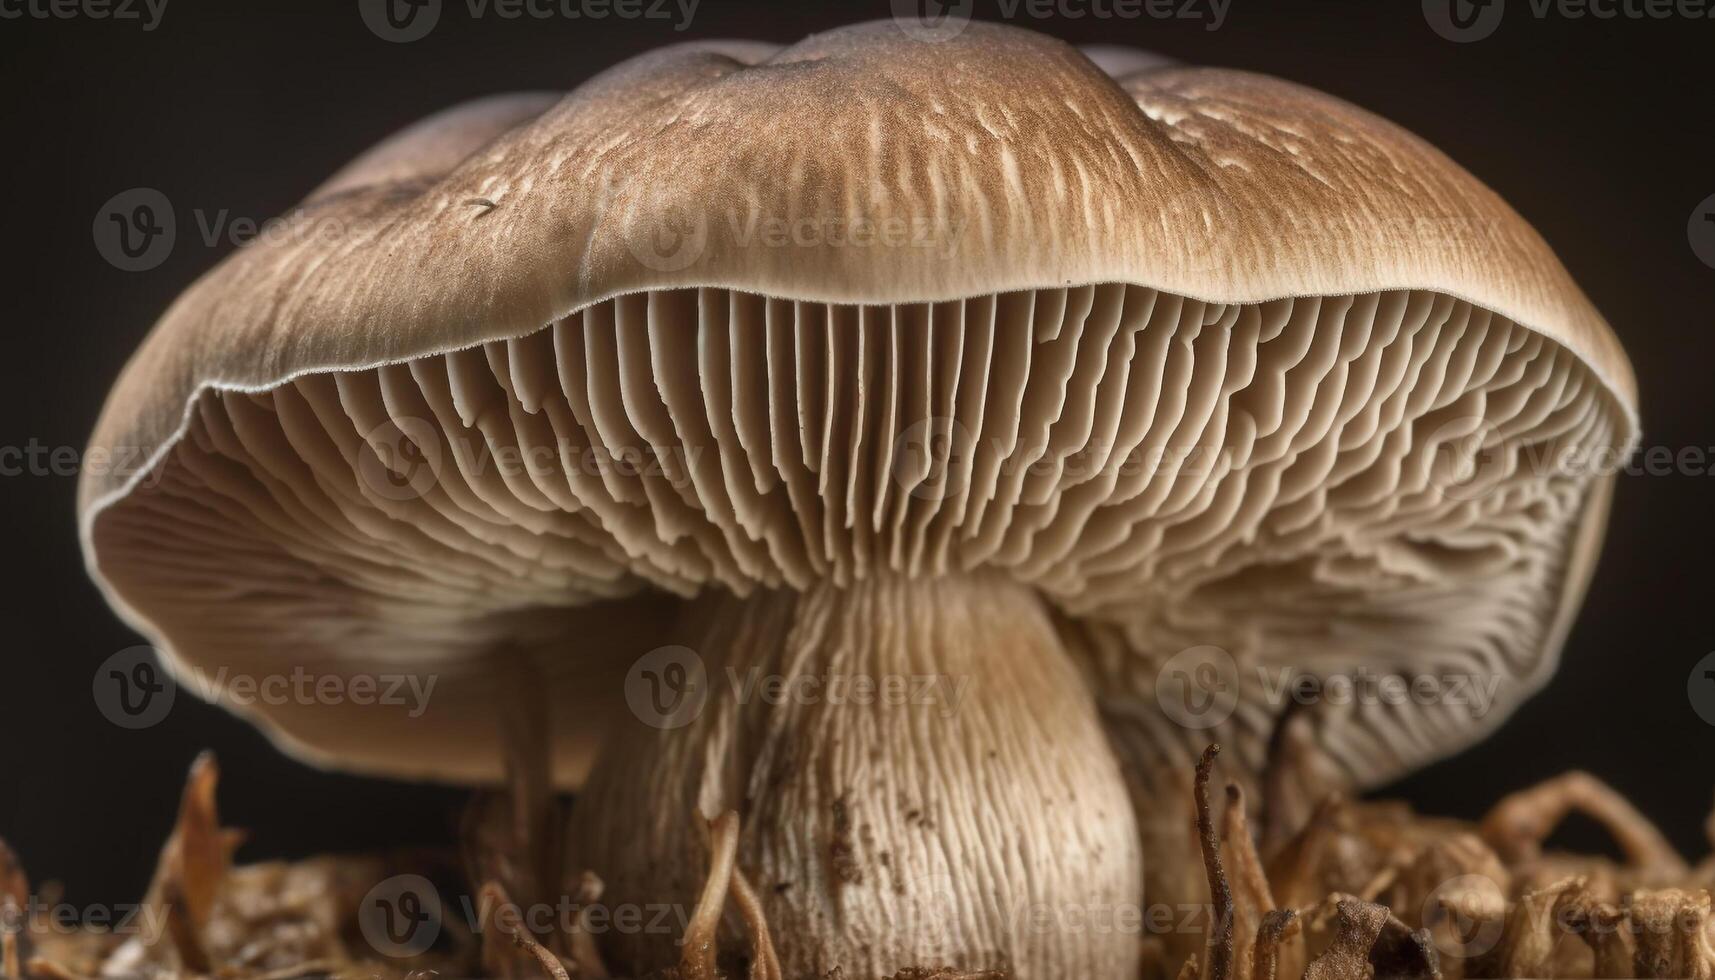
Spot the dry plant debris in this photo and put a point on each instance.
(1350, 891)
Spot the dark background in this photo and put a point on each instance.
(1598, 131)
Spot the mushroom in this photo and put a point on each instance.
(869, 358)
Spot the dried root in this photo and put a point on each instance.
(1357, 891)
(1339, 890)
(724, 879)
(1518, 825)
(202, 917)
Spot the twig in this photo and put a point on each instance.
(1220, 942)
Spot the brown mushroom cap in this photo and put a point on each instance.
(1103, 281)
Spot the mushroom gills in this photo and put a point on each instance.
(921, 774)
(1177, 472)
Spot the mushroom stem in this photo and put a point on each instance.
(921, 776)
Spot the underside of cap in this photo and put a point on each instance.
(1317, 485)
(1204, 356)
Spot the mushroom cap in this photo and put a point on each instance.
(767, 273)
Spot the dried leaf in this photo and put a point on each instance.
(1602, 927)
(192, 867)
(1401, 953)
(1670, 927)
(1533, 929)
(1356, 926)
